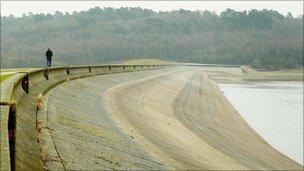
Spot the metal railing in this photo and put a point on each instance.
(64, 73)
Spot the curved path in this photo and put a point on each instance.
(163, 119)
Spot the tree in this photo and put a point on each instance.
(289, 15)
(262, 38)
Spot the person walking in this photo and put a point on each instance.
(49, 55)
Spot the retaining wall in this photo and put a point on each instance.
(23, 153)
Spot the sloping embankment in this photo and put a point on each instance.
(163, 119)
(20, 150)
(184, 121)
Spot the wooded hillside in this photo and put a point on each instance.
(257, 38)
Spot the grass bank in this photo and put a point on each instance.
(239, 75)
(4, 77)
(147, 62)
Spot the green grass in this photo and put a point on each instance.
(6, 73)
(147, 61)
(18, 69)
(4, 77)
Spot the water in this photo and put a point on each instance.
(274, 110)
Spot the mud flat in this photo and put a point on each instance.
(165, 119)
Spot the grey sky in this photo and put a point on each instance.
(17, 8)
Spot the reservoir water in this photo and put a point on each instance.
(274, 110)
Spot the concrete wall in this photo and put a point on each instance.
(27, 155)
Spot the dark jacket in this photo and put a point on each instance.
(49, 54)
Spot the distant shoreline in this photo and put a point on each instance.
(229, 76)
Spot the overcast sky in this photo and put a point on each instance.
(17, 8)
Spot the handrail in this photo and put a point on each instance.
(20, 80)
(89, 70)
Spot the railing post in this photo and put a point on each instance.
(25, 83)
(12, 134)
(46, 74)
(68, 70)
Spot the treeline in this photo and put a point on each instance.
(262, 38)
